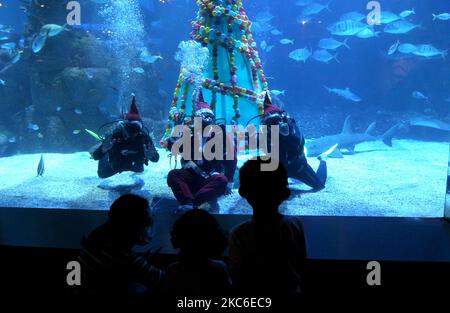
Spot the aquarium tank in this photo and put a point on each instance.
(367, 83)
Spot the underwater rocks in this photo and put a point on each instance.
(55, 134)
(155, 128)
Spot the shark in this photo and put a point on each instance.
(430, 123)
(347, 139)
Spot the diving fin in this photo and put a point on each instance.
(333, 152)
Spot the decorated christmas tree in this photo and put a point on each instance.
(231, 76)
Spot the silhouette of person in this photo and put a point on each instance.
(200, 239)
(266, 253)
(108, 264)
(127, 148)
(292, 146)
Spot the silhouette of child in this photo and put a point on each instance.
(266, 253)
(108, 264)
(198, 236)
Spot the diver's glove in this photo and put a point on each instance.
(155, 157)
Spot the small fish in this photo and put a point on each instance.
(347, 28)
(263, 45)
(76, 132)
(400, 27)
(34, 127)
(442, 17)
(96, 136)
(38, 43)
(58, 109)
(12, 140)
(332, 44)
(354, 16)
(407, 48)
(2, 82)
(17, 57)
(276, 32)
(287, 41)
(8, 46)
(315, 8)
(419, 96)
(367, 33)
(78, 111)
(388, 17)
(269, 48)
(41, 167)
(5, 29)
(428, 51)
(278, 92)
(393, 48)
(407, 13)
(52, 30)
(139, 70)
(300, 54)
(40, 135)
(324, 56)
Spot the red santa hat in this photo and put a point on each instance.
(269, 108)
(133, 114)
(202, 105)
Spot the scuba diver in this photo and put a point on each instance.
(127, 148)
(291, 147)
(199, 183)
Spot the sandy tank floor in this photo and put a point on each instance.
(408, 180)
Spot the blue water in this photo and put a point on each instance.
(384, 83)
(41, 91)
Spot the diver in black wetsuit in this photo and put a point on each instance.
(127, 148)
(291, 147)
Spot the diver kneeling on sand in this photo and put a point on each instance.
(291, 147)
(127, 148)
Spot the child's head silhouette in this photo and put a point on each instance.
(264, 190)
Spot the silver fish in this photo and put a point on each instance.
(51, 30)
(400, 27)
(324, 56)
(393, 48)
(347, 28)
(354, 16)
(367, 33)
(407, 13)
(315, 8)
(286, 41)
(276, 32)
(38, 43)
(388, 17)
(419, 96)
(442, 17)
(429, 51)
(407, 48)
(300, 54)
(332, 44)
(41, 167)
